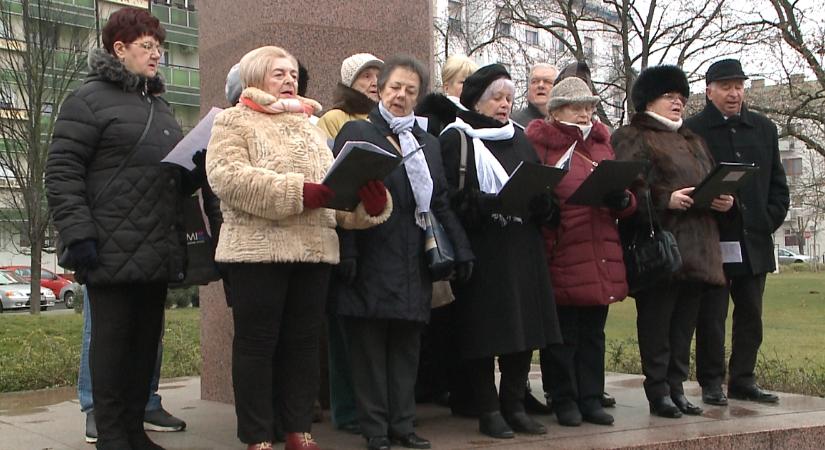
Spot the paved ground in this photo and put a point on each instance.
(50, 419)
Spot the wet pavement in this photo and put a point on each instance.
(51, 419)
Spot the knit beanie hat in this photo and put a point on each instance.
(233, 86)
(476, 84)
(570, 90)
(355, 64)
(655, 81)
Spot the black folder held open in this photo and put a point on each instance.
(358, 163)
(725, 178)
(527, 181)
(609, 176)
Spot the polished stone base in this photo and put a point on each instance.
(52, 419)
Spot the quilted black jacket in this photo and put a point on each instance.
(136, 219)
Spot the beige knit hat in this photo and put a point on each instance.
(356, 63)
(570, 90)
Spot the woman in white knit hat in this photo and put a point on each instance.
(356, 95)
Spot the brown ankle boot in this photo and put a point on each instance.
(300, 441)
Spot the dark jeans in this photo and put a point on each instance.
(126, 328)
(666, 318)
(577, 364)
(514, 367)
(277, 310)
(746, 293)
(384, 358)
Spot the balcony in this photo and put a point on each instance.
(182, 84)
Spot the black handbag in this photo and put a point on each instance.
(651, 255)
(200, 247)
(437, 248)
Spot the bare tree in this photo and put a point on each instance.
(43, 57)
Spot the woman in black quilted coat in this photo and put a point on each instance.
(116, 209)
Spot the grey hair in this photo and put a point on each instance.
(542, 66)
(409, 63)
(501, 84)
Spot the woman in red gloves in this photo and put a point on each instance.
(265, 162)
(387, 301)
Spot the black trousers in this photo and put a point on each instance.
(746, 293)
(577, 364)
(439, 355)
(666, 318)
(277, 310)
(126, 328)
(514, 367)
(384, 357)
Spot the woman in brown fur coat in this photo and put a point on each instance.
(679, 160)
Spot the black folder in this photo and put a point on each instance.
(527, 181)
(725, 178)
(357, 163)
(609, 176)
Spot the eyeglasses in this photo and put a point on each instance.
(674, 98)
(151, 46)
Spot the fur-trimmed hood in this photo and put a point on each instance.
(438, 106)
(103, 66)
(351, 101)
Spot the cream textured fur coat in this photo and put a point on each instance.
(257, 164)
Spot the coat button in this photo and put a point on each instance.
(738, 154)
(612, 298)
(733, 130)
(180, 275)
(166, 132)
(604, 260)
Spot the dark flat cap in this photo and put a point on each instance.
(725, 69)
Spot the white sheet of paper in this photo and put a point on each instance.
(197, 138)
(422, 122)
(731, 251)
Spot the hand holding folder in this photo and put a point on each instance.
(528, 181)
(725, 178)
(609, 176)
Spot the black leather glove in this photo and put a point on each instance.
(347, 270)
(463, 271)
(543, 208)
(83, 254)
(198, 174)
(617, 200)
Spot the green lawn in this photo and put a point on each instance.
(793, 319)
(44, 351)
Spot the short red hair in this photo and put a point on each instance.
(129, 24)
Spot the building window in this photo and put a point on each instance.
(531, 37)
(504, 24)
(588, 50)
(455, 11)
(47, 107)
(6, 98)
(793, 167)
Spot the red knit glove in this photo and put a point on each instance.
(374, 197)
(316, 195)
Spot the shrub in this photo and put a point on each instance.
(181, 297)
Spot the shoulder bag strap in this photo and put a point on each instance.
(462, 168)
(128, 155)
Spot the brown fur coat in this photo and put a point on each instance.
(677, 159)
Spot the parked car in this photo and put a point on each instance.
(789, 256)
(64, 289)
(15, 293)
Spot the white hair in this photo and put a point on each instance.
(501, 84)
(542, 66)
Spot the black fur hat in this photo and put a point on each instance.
(655, 81)
(476, 84)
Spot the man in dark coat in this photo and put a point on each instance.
(539, 84)
(735, 134)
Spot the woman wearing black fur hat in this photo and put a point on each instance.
(679, 160)
(506, 309)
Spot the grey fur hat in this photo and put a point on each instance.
(570, 90)
(233, 86)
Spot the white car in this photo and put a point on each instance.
(789, 257)
(15, 293)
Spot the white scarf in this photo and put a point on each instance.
(457, 102)
(585, 129)
(416, 166)
(671, 125)
(491, 175)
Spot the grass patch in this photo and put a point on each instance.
(791, 357)
(43, 351)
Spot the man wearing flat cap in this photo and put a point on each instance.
(735, 134)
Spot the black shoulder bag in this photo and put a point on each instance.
(652, 254)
